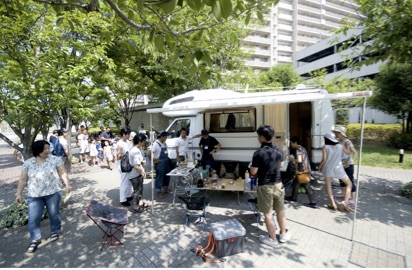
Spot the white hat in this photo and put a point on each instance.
(132, 134)
(330, 136)
(341, 130)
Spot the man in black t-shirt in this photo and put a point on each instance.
(266, 164)
(208, 146)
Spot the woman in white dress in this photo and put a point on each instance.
(331, 167)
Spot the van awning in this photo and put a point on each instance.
(260, 98)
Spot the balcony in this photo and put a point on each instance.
(306, 39)
(257, 40)
(309, 31)
(310, 20)
(284, 48)
(285, 59)
(285, 6)
(285, 17)
(309, 10)
(285, 27)
(340, 8)
(285, 37)
(256, 51)
(258, 63)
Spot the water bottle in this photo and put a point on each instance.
(253, 181)
(247, 182)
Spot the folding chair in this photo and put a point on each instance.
(113, 218)
(195, 206)
(253, 206)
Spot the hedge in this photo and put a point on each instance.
(373, 132)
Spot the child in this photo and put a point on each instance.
(108, 154)
(99, 153)
(331, 166)
(93, 152)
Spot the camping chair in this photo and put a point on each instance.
(195, 206)
(113, 218)
(253, 206)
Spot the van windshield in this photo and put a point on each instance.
(174, 129)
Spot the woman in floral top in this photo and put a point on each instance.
(42, 175)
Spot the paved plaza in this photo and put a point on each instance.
(320, 238)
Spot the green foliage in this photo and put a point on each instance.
(387, 26)
(341, 85)
(407, 190)
(281, 76)
(394, 91)
(375, 132)
(16, 215)
(342, 117)
(400, 141)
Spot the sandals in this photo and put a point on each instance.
(344, 208)
(33, 246)
(54, 237)
(331, 207)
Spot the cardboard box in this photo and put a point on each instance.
(230, 237)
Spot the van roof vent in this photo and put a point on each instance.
(181, 100)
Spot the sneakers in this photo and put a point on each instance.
(268, 241)
(284, 238)
(311, 205)
(160, 195)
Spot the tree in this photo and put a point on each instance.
(281, 76)
(45, 69)
(178, 24)
(394, 92)
(387, 28)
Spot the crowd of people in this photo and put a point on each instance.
(53, 156)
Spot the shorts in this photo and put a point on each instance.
(84, 149)
(271, 197)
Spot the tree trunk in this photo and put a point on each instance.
(409, 123)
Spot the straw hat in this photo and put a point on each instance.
(329, 135)
(341, 130)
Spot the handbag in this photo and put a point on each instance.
(303, 176)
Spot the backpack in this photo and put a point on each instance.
(52, 148)
(125, 165)
(59, 150)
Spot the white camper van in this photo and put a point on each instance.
(232, 118)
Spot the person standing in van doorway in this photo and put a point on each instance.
(295, 144)
(161, 164)
(182, 144)
(208, 146)
(266, 164)
(347, 159)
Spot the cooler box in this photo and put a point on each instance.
(230, 237)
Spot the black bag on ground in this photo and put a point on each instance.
(195, 202)
(125, 165)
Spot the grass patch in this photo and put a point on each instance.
(377, 154)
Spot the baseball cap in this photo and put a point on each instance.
(204, 132)
(329, 135)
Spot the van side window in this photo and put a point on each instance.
(177, 125)
(231, 121)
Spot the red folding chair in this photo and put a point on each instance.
(113, 218)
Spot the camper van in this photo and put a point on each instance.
(233, 117)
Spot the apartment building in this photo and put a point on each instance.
(291, 26)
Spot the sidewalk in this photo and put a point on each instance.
(320, 238)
